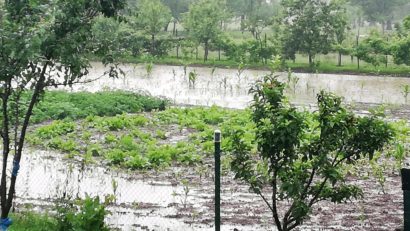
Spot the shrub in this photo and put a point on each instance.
(300, 156)
(85, 215)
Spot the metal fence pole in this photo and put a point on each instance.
(217, 180)
(405, 180)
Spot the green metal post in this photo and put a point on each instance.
(405, 181)
(217, 180)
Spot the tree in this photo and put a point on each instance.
(310, 26)
(375, 49)
(379, 10)
(300, 156)
(42, 43)
(340, 25)
(152, 17)
(255, 14)
(203, 22)
(177, 7)
(401, 46)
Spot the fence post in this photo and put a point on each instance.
(217, 180)
(405, 181)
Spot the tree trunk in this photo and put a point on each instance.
(340, 59)
(387, 60)
(206, 51)
(242, 23)
(152, 44)
(196, 55)
(174, 28)
(358, 63)
(177, 51)
(166, 27)
(6, 151)
(389, 25)
(6, 207)
(310, 59)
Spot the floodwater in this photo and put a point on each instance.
(229, 87)
(155, 201)
(141, 202)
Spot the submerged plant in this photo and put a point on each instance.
(192, 78)
(405, 92)
(149, 68)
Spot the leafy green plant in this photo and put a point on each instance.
(300, 156)
(192, 77)
(149, 67)
(90, 215)
(110, 138)
(405, 92)
(115, 156)
(160, 135)
(56, 128)
(59, 105)
(30, 221)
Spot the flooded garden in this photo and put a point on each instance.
(157, 166)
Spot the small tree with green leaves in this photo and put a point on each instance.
(203, 22)
(311, 26)
(300, 156)
(152, 17)
(43, 43)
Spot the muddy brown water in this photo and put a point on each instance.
(158, 201)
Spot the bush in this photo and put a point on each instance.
(65, 105)
(300, 156)
(84, 215)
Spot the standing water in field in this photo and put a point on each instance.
(229, 87)
(158, 201)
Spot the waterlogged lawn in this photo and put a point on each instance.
(146, 140)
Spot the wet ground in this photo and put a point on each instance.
(157, 200)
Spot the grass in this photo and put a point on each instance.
(30, 221)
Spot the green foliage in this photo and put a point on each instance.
(160, 135)
(203, 20)
(29, 221)
(56, 128)
(373, 50)
(152, 16)
(61, 105)
(300, 156)
(311, 26)
(401, 51)
(89, 217)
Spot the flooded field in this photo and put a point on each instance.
(229, 87)
(156, 200)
